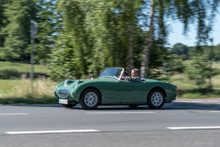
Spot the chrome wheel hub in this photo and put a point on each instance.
(91, 99)
(157, 99)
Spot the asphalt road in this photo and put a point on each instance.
(184, 123)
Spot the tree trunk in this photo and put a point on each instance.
(130, 62)
(146, 51)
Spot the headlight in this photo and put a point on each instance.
(65, 83)
(63, 93)
(76, 83)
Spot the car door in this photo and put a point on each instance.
(130, 91)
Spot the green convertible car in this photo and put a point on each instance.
(109, 89)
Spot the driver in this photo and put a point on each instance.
(134, 75)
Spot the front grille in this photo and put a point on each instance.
(63, 93)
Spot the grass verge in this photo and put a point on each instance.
(199, 93)
(19, 91)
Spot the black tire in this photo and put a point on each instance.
(90, 99)
(133, 105)
(69, 105)
(160, 99)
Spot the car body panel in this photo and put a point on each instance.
(115, 91)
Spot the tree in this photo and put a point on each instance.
(3, 20)
(185, 11)
(180, 49)
(63, 63)
(105, 33)
(198, 70)
(217, 52)
(49, 26)
(102, 33)
(17, 31)
(146, 51)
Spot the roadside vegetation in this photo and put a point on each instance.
(17, 89)
(15, 85)
(79, 38)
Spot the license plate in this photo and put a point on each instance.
(63, 101)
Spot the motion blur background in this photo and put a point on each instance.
(79, 38)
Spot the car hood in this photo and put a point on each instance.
(80, 81)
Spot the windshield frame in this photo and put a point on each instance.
(118, 78)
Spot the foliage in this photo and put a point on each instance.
(17, 32)
(186, 53)
(3, 20)
(175, 65)
(15, 29)
(49, 25)
(181, 50)
(97, 36)
(81, 37)
(64, 63)
(199, 69)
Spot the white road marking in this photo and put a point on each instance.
(137, 112)
(53, 131)
(197, 101)
(182, 101)
(190, 101)
(13, 113)
(117, 112)
(103, 113)
(194, 128)
(214, 111)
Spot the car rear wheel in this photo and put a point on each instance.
(156, 99)
(69, 105)
(90, 99)
(133, 105)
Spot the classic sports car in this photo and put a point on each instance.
(109, 89)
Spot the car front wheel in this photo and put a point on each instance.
(156, 99)
(90, 99)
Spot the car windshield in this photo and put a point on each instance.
(111, 73)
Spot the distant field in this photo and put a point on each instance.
(188, 89)
(15, 86)
(22, 88)
(216, 65)
(22, 67)
(11, 70)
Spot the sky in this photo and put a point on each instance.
(176, 36)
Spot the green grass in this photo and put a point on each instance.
(15, 87)
(9, 70)
(188, 88)
(22, 67)
(19, 91)
(22, 88)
